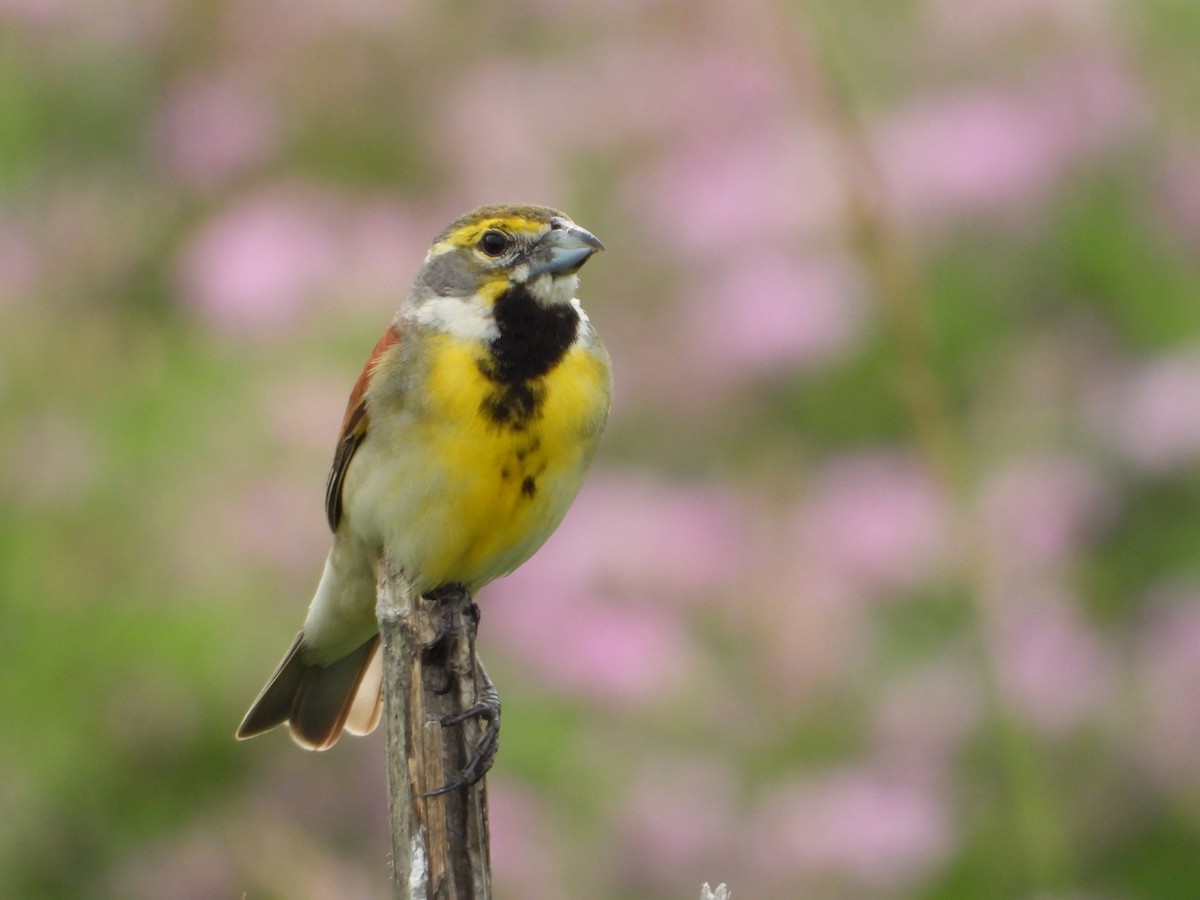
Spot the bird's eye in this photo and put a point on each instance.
(493, 243)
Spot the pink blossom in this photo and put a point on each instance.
(195, 858)
(19, 263)
(282, 29)
(923, 717)
(872, 524)
(280, 524)
(1180, 189)
(594, 610)
(732, 191)
(256, 265)
(520, 161)
(655, 88)
(39, 13)
(581, 645)
(213, 127)
(620, 90)
(810, 624)
(676, 820)
(1154, 414)
(231, 523)
(126, 26)
(1052, 664)
(977, 150)
(872, 829)
(1168, 682)
(631, 535)
(1040, 510)
(524, 843)
(993, 150)
(874, 520)
(770, 313)
(982, 25)
(384, 246)
(302, 410)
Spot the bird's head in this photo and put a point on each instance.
(486, 252)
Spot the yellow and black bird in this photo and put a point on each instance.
(465, 440)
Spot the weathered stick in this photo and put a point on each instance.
(440, 847)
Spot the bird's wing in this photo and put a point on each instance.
(354, 427)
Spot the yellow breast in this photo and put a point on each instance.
(497, 483)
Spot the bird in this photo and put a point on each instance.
(464, 441)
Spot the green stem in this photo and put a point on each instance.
(1037, 825)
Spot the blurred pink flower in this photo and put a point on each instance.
(596, 610)
(1052, 664)
(677, 820)
(620, 90)
(520, 159)
(732, 191)
(632, 535)
(230, 524)
(282, 525)
(874, 521)
(279, 32)
(126, 26)
(19, 264)
(578, 645)
(770, 313)
(923, 717)
(644, 87)
(1167, 731)
(872, 524)
(810, 625)
(195, 859)
(34, 12)
(257, 264)
(303, 409)
(1039, 511)
(989, 150)
(1154, 414)
(523, 843)
(212, 127)
(872, 829)
(978, 150)
(983, 25)
(1180, 190)
(384, 247)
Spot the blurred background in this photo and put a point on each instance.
(886, 583)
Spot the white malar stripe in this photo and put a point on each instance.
(586, 336)
(554, 290)
(464, 317)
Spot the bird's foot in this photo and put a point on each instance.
(459, 621)
(483, 754)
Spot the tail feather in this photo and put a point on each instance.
(317, 702)
(274, 704)
(368, 701)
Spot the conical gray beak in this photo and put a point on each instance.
(564, 249)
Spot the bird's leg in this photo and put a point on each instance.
(460, 621)
(483, 754)
(435, 653)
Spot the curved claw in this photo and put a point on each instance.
(483, 754)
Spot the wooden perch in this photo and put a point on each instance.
(440, 844)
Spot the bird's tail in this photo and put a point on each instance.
(318, 702)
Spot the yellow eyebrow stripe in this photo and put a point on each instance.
(473, 231)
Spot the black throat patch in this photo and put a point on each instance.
(531, 342)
